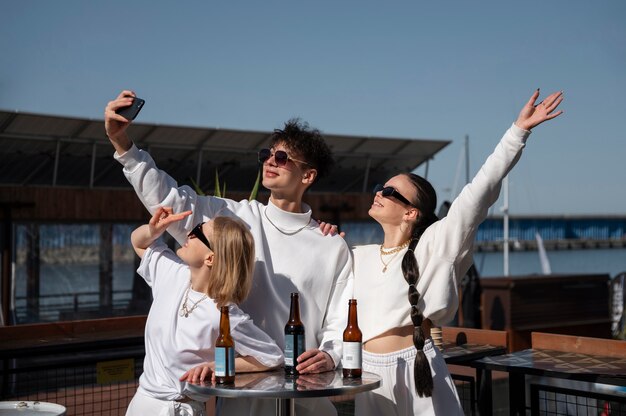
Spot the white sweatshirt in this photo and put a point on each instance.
(444, 252)
(292, 255)
(176, 344)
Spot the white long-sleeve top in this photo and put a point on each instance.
(176, 344)
(444, 252)
(292, 255)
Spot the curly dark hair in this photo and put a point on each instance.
(307, 143)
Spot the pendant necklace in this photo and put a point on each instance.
(184, 310)
(395, 251)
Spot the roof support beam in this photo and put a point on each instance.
(351, 184)
(367, 173)
(35, 172)
(260, 142)
(81, 128)
(191, 152)
(93, 165)
(199, 168)
(56, 163)
(8, 122)
(103, 172)
(338, 156)
(145, 137)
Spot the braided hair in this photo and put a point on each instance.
(426, 203)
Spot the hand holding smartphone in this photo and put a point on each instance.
(130, 112)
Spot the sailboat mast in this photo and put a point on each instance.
(467, 167)
(505, 211)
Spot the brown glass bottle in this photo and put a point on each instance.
(352, 344)
(224, 351)
(294, 336)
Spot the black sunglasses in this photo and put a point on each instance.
(389, 191)
(197, 232)
(280, 157)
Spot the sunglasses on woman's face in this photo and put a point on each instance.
(197, 233)
(280, 157)
(389, 191)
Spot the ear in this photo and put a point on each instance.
(208, 260)
(411, 215)
(309, 175)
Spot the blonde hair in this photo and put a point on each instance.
(231, 277)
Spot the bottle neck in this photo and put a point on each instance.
(352, 316)
(224, 321)
(294, 313)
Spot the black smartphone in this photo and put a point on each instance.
(130, 112)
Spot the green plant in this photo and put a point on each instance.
(221, 193)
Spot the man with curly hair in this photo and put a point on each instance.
(292, 254)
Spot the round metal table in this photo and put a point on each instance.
(283, 388)
(30, 408)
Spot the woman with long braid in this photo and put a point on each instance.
(425, 257)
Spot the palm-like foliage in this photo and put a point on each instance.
(221, 192)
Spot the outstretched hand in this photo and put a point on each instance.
(116, 125)
(163, 218)
(532, 115)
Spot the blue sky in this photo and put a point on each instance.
(417, 69)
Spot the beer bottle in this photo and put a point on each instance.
(224, 351)
(352, 343)
(294, 337)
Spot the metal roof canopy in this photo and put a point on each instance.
(43, 150)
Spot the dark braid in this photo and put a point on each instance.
(426, 203)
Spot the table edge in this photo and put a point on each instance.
(285, 394)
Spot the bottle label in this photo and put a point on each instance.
(224, 361)
(351, 355)
(294, 346)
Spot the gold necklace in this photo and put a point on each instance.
(389, 262)
(395, 251)
(385, 252)
(184, 310)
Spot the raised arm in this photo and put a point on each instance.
(154, 187)
(456, 231)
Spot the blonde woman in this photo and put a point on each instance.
(212, 269)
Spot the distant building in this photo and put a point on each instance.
(67, 210)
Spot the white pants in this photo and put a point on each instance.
(142, 405)
(397, 395)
